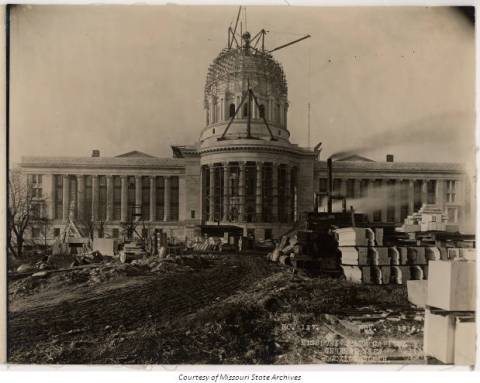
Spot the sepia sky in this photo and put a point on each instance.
(121, 78)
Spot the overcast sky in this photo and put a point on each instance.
(121, 78)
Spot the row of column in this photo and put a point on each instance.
(67, 204)
(259, 192)
(273, 112)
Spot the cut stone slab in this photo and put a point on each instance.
(465, 331)
(439, 336)
(417, 292)
(451, 285)
(355, 236)
(106, 246)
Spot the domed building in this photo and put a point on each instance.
(250, 170)
(243, 177)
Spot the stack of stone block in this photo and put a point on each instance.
(428, 218)
(364, 260)
(449, 334)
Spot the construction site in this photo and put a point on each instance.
(244, 248)
(335, 289)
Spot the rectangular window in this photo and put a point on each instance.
(350, 188)
(323, 185)
(337, 184)
(102, 198)
(115, 233)
(35, 181)
(192, 214)
(160, 197)
(58, 196)
(417, 195)
(450, 191)
(117, 198)
(36, 211)
(130, 197)
(35, 232)
(87, 211)
(174, 198)
(391, 214)
(268, 234)
(145, 198)
(363, 188)
(431, 188)
(56, 232)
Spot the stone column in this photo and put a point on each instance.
(411, 196)
(241, 192)
(138, 198)
(153, 199)
(80, 196)
(211, 196)
(166, 199)
(66, 197)
(226, 193)
(94, 198)
(424, 191)
(124, 199)
(398, 200)
(259, 193)
(109, 216)
(274, 192)
(440, 194)
(288, 197)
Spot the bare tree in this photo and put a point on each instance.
(44, 224)
(88, 227)
(20, 211)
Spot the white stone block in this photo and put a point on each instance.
(355, 236)
(451, 285)
(439, 336)
(417, 292)
(106, 246)
(464, 353)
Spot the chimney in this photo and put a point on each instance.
(95, 153)
(389, 157)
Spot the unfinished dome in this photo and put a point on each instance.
(232, 73)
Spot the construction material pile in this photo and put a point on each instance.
(208, 245)
(285, 251)
(427, 218)
(365, 260)
(449, 334)
(315, 251)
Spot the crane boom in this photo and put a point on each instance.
(290, 43)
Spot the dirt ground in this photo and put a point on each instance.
(222, 309)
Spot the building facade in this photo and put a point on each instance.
(242, 174)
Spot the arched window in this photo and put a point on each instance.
(245, 110)
(261, 111)
(231, 112)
